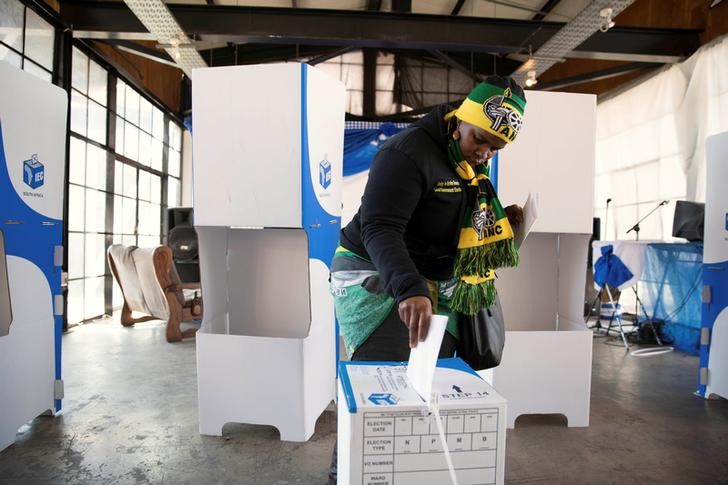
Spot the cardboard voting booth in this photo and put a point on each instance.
(714, 323)
(32, 170)
(546, 366)
(388, 435)
(267, 160)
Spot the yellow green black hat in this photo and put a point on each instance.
(495, 105)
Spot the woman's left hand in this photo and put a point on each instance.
(514, 214)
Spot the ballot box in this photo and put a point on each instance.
(387, 434)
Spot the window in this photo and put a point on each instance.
(119, 172)
(26, 40)
(349, 69)
(88, 191)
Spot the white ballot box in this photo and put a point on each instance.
(388, 435)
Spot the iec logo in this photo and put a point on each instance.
(33, 173)
(383, 399)
(325, 173)
(726, 221)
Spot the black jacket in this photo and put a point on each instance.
(412, 209)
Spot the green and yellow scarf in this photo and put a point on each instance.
(486, 237)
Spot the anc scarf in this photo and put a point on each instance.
(486, 239)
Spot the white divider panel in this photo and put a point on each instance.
(718, 359)
(554, 156)
(243, 151)
(546, 373)
(573, 251)
(529, 293)
(26, 353)
(268, 290)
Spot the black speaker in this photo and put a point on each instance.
(688, 221)
(179, 216)
(596, 229)
(182, 239)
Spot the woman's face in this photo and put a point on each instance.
(477, 145)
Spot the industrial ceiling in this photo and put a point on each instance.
(566, 44)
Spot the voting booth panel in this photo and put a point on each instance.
(554, 156)
(546, 366)
(32, 165)
(267, 155)
(714, 323)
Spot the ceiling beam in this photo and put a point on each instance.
(458, 6)
(360, 29)
(594, 76)
(242, 54)
(608, 56)
(141, 50)
(315, 27)
(617, 56)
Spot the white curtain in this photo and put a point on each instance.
(651, 143)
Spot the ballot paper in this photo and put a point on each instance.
(423, 358)
(530, 214)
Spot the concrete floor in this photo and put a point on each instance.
(130, 416)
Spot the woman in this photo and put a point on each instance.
(396, 261)
(430, 229)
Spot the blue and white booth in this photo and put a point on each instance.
(32, 167)
(714, 324)
(267, 162)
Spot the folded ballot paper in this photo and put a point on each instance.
(530, 214)
(423, 358)
(427, 421)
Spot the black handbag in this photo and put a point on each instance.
(481, 337)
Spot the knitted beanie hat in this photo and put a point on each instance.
(495, 105)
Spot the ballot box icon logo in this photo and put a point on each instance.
(33, 172)
(325, 173)
(383, 399)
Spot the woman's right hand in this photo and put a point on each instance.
(415, 312)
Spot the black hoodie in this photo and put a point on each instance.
(412, 209)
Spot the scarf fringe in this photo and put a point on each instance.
(478, 260)
(470, 299)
